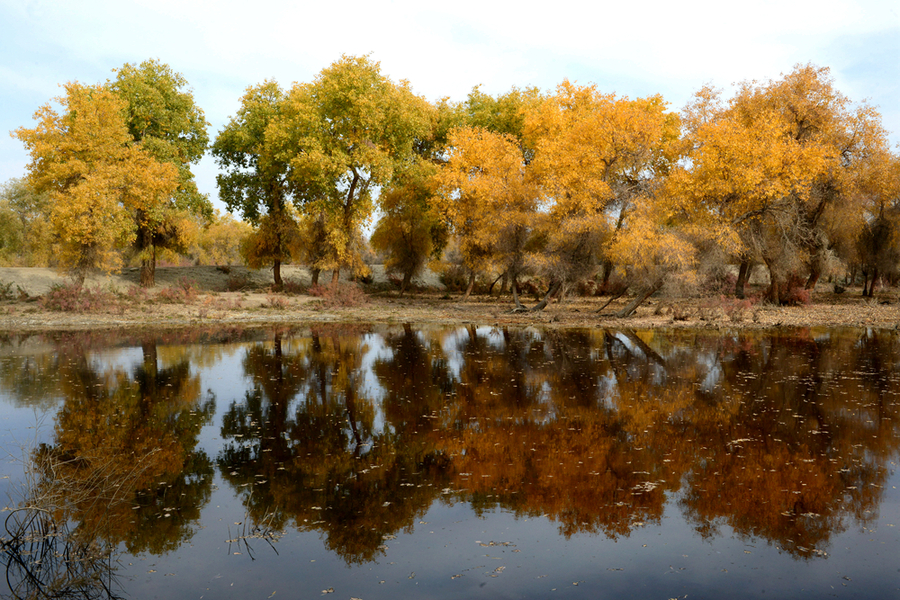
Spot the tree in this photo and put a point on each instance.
(344, 134)
(255, 181)
(95, 176)
(490, 200)
(219, 240)
(878, 243)
(162, 117)
(410, 230)
(774, 170)
(596, 157)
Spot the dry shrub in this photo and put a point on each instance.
(586, 287)
(72, 297)
(616, 285)
(236, 283)
(339, 295)
(733, 309)
(293, 288)
(455, 278)
(680, 312)
(796, 293)
(183, 292)
(277, 302)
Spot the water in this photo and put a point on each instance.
(383, 462)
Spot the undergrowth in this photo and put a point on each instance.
(339, 295)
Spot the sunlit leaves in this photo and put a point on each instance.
(348, 131)
(96, 178)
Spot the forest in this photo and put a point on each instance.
(568, 190)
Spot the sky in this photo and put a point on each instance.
(633, 49)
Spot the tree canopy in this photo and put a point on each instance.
(96, 178)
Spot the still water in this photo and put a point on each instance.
(385, 462)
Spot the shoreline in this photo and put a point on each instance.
(255, 306)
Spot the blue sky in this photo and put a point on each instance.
(443, 49)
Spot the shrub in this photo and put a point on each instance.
(76, 298)
(136, 294)
(680, 312)
(455, 278)
(796, 294)
(338, 295)
(183, 292)
(587, 287)
(236, 283)
(615, 286)
(278, 302)
(6, 291)
(292, 288)
(736, 309)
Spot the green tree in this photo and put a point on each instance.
(255, 182)
(410, 229)
(343, 135)
(163, 117)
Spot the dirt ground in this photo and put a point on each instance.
(255, 304)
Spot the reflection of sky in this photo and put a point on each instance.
(373, 350)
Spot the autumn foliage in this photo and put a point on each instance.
(570, 185)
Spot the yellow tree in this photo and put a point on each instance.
(596, 155)
(878, 244)
(775, 168)
(490, 200)
(410, 229)
(96, 178)
(161, 115)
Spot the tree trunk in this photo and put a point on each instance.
(872, 284)
(148, 269)
(276, 271)
(504, 283)
(335, 276)
(607, 271)
(743, 276)
(777, 285)
(554, 288)
(515, 293)
(638, 300)
(491, 289)
(315, 277)
(813, 278)
(471, 286)
(407, 277)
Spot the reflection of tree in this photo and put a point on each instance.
(801, 452)
(305, 441)
(778, 436)
(537, 434)
(139, 428)
(44, 554)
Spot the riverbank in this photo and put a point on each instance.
(191, 296)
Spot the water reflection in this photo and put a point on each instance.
(780, 437)
(356, 433)
(122, 470)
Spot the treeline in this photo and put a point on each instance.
(569, 185)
